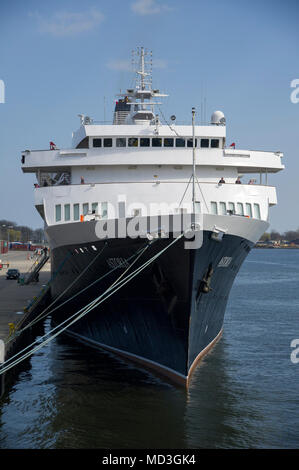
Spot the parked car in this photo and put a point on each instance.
(13, 274)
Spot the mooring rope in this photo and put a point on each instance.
(115, 286)
(42, 314)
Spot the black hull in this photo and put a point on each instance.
(163, 317)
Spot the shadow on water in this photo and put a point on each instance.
(107, 403)
(71, 396)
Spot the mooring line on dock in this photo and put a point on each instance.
(59, 306)
(115, 286)
(42, 315)
(82, 309)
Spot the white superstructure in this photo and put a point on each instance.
(148, 166)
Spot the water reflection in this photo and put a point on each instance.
(243, 395)
(215, 417)
(105, 403)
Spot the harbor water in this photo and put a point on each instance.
(243, 395)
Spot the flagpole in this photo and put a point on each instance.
(193, 135)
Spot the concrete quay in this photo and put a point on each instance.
(19, 304)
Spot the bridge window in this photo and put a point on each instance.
(168, 142)
(214, 209)
(144, 142)
(97, 143)
(256, 211)
(84, 144)
(156, 142)
(190, 143)
(67, 212)
(204, 143)
(248, 210)
(58, 212)
(108, 142)
(214, 143)
(133, 142)
(76, 212)
(180, 142)
(121, 142)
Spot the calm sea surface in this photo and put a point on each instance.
(245, 394)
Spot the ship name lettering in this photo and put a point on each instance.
(117, 263)
(224, 262)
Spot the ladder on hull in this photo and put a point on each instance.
(33, 273)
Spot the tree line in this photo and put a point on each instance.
(10, 231)
(290, 235)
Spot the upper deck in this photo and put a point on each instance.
(138, 138)
(123, 145)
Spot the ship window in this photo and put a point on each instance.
(168, 142)
(214, 143)
(84, 144)
(97, 142)
(256, 211)
(58, 212)
(197, 207)
(180, 142)
(94, 207)
(145, 142)
(156, 142)
(67, 212)
(104, 210)
(85, 208)
(204, 143)
(133, 142)
(231, 207)
(120, 142)
(76, 212)
(214, 209)
(222, 207)
(248, 210)
(240, 209)
(190, 143)
(108, 142)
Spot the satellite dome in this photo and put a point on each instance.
(218, 118)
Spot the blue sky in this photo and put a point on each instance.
(61, 58)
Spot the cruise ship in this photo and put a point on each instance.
(149, 221)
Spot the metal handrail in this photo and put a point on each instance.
(157, 180)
